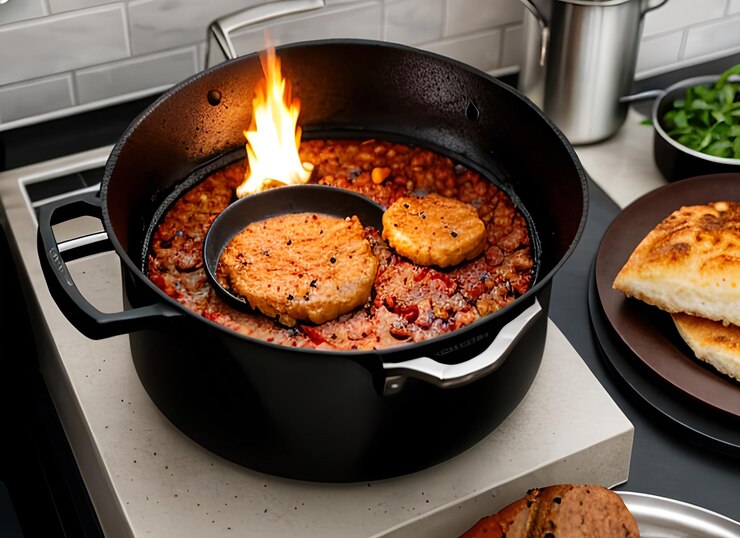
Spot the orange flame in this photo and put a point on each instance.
(274, 137)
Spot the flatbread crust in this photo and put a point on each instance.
(712, 342)
(690, 263)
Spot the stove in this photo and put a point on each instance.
(145, 477)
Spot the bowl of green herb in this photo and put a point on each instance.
(697, 126)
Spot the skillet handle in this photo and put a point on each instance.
(54, 256)
(455, 375)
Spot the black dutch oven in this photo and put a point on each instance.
(326, 415)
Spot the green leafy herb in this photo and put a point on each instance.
(707, 118)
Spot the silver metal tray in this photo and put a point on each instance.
(659, 517)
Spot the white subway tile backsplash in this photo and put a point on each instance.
(360, 21)
(163, 24)
(709, 38)
(513, 46)
(465, 16)
(19, 10)
(60, 43)
(40, 96)
(481, 50)
(135, 75)
(59, 6)
(677, 14)
(413, 21)
(81, 54)
(658, 51)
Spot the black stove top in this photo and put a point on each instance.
(41, 490)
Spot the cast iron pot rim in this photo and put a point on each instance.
(671, 94)
(391, 350)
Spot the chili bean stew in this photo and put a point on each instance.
(409, 303)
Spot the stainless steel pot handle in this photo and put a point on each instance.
(642, 96)
(54, 256)
(455, 375)
(651, 5)
(544, 29)
(220, 29)
(681, 84)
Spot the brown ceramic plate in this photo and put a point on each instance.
(646, 330)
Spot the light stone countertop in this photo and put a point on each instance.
(624, 165)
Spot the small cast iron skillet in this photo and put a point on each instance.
(324, 199)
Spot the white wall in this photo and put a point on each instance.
(64, 56)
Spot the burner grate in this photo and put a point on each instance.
(51, 189)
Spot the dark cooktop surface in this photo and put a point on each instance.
(667, 460)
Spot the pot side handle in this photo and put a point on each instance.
(455, 375)
(54, 257)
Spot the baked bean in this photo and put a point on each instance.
(409, 303)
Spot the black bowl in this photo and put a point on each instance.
(674, 160)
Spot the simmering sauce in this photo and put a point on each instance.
(409, 302)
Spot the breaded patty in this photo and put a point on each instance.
(434, 230)
(302, 266)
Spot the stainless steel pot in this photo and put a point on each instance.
(580, 59)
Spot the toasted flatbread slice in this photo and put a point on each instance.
(712, 342)
(434, 230)
(690, 263)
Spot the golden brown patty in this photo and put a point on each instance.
(690, 262)
(434, 230)
(302, 266)
(712, 342)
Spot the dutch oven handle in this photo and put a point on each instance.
(220, 30)
(455, 375)
(54, 257)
